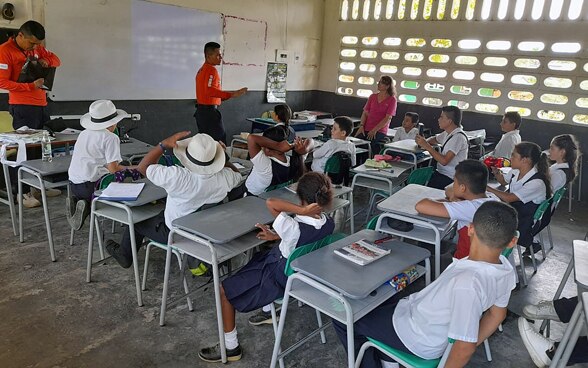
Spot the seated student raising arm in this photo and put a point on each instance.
(454, 147)
(262, 280)
(206, 178)
(339, 142)
(465, 196)
(529, 185)
(466, 302)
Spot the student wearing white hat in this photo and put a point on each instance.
(96, 153)
(206, 178)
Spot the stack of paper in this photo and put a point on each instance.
(122, 191)
(26, 135)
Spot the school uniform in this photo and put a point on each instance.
(267, 171)
(321, 155)
(451, 307)
(401, 134)
(463, 212)
(291, 132)
(559, 175)
(94, 149)
(456, 142)
(187, 191)
(531, 191)
(262, 280)
(507, 143)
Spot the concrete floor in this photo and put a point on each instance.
(50, 317)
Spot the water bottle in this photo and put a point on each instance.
(46, 147)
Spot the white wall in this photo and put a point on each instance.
(293, 25)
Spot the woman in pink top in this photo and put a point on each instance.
(377, 113)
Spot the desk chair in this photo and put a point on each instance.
(546, 219)
(288, 271)
(278, 186)
(537, 216)
(337, 168)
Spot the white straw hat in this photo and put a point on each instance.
(102, 114)
(201, 154)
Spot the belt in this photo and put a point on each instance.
(212, 107)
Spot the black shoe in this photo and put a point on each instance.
(536, 249)
(113, 248)
(261, 318)
(213, 354)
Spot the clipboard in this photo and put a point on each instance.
(32, 70)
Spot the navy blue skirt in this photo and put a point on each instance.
(258, 283)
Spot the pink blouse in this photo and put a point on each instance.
(377, 110)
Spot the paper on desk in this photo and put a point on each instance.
(238, 165)
(122, 191)
(70, 131)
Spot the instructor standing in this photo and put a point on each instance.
(27, 101)
(209, 94)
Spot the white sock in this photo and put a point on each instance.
(267, 308)
(386, 364)
(231, 340)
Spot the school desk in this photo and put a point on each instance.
(428, 229)
(37, 174)
(410, 148)
(134, 149)
(378, 180)
(344, 290)
(128, 213)
(215, 235)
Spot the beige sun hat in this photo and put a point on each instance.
(201, 154)
(102, 114)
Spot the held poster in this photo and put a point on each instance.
(276, 82)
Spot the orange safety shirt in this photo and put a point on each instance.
(12, 59)
(208, 88)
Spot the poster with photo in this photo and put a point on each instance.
(276, 82)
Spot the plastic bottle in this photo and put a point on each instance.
(46, 147)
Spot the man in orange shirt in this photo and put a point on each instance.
(27, 101)
(209, 94)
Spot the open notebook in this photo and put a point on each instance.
(122, 191)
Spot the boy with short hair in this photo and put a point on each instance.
(466, 195)
(409, 128)
(96, 153)
(510, 125)
(339, 142)
(466, 302)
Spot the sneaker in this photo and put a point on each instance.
(542, 310)
(536, 249)
(113, 248)
(29, 201)
(537, 345)
(79, 216)
(213, 354)
(48, 192)
(201, 270)
(261, 318)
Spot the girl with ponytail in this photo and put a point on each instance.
(529, 185)
(282, 115)
(564, 151)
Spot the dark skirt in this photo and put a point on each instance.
(259, 282)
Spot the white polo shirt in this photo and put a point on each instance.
(452, 305)
(289, 231)
(262, 173)
(507, 143)
(458, 145)
(463, 211)
(558, 177)
(401, 134)
(534, 191)
(321, 155)
(188, 191)
(94, 149)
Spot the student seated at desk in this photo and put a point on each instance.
(96, 153)
(564, 151)
(409, 128)
(206, 178)
(282, 115)
(454, 147)
(262, 280)
(510, 125)
(466, 195)
(271, 165)
(339, 142)
(466, 302)
(529, 185)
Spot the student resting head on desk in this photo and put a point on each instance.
(271, 165)
(339, 142)
(282, 115)
(206, 178)
(464, 197)
(409, 128)
(454, 147)
(529, 185)
(466, 302)
(262, 280)
(510, 125)
(96, 154)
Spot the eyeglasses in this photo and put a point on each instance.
(382, 82)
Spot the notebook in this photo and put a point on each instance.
(122, 191)
(33, 70)
(362, 252)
